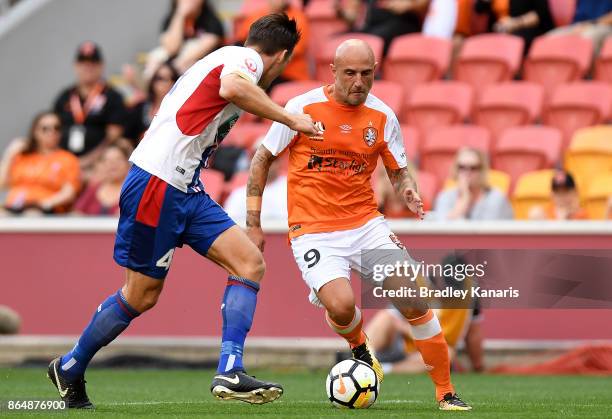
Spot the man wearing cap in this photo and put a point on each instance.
(92, 112)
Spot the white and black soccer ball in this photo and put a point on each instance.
(352, 384)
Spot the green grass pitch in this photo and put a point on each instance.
(185, 393)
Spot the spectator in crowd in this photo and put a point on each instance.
(297, 69)
(391, 335)
(274, 201)
(140, 115)
(92, 112)
(478, 16)
(474, 17)
(565, 203)
(441, 19)
(9, 321)
(527, 19)
(593, 20)
(191, 30)
(102, 197)
(472, 198)
(385, 18)
(39, 175)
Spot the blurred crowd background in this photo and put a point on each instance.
(504, 106)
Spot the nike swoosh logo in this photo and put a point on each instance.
(59, 383)
(234, 380)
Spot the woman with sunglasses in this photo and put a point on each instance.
(39, 175)
(141, 114)
(472, 198)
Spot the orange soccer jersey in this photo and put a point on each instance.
(35, 177)
(328, 185)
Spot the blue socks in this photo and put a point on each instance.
(238, 308)
(112, 317)
(115, 314)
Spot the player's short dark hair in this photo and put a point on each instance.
(273, 33)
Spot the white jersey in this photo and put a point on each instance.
(193, 119)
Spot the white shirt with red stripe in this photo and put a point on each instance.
(193, 119)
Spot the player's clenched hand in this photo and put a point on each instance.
(414, 203)
(257, 237)
(303, 123)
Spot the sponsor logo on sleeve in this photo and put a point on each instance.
(250, 65)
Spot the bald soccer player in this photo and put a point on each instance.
(332, 211)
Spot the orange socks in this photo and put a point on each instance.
(430, 342)
(352, 332)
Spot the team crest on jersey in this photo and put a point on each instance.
(397, 241)
(370, 134)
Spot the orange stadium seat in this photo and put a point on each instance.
(415, 59)
(441, 145)
(324, 23)
(246, 8)
(438, 104)
(603, 67)
(589, 154)
(496, 179)
(489, 58)
(391, 93)
(532, 189)
(411, 142)
(251, 6)
(509, 104)
(245, 134)
(577, 105)
(324, 55)
(214, 182)
(562, 11)
(554, 60)
(282, 93)
(599, 191)
(526, 149)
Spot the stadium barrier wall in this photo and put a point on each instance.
(56, 271)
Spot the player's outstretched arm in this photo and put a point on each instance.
(251, 98)
(260, 166)
(406, 187)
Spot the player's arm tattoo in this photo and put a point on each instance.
(401, 179)
(260, 166)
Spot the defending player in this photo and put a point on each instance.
(332, 210)
(163, 205)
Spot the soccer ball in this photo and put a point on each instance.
(352, 384)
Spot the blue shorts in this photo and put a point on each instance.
(156, 217)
